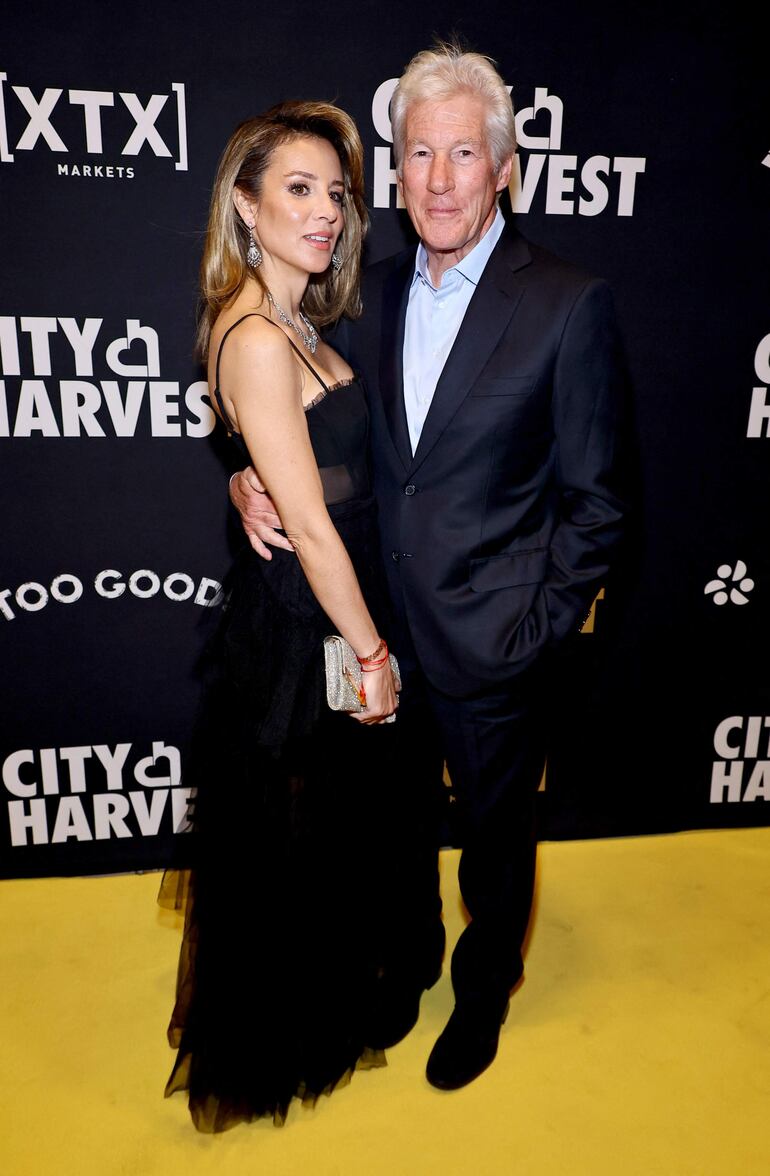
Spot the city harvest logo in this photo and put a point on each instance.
(742, 771)
(563, 183)
(731, 584)
(32, 404)
(101, 132)
(89, 794)
(111, 584)
(759, 412)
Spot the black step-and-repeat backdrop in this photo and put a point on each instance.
(644, 156)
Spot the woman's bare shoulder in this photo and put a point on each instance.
(250, 336)
(254, 350)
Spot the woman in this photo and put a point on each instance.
(280, 951)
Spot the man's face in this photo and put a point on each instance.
(448, 179)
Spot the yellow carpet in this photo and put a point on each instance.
(638, 1044)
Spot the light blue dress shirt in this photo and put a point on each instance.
(433, 318)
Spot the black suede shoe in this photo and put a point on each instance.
(395, 1009)
(466, 1047)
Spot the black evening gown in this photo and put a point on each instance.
(280, 950)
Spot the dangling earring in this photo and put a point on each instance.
(336, 263)
(253, 254)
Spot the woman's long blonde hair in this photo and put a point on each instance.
(246, 157)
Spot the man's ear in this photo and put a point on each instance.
(504, 174)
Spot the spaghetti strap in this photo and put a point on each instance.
(306, 362)
(256, 314)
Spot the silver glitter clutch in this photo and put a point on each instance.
(344, 676)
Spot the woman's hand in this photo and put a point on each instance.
(258, 514)
(381, 697)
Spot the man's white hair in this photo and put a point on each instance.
(445, 72)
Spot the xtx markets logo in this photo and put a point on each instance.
(33, 404)
(101, 132)
(565, 183)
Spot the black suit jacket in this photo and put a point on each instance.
(498, 532)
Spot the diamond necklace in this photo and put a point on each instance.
(311, 339)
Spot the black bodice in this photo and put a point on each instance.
(338, 424)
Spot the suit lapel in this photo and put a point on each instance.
(395, 296)
(489, 312)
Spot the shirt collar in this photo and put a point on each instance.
(472, 265)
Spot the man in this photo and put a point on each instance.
(496, 388)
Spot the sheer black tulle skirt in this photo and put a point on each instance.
(280, 949)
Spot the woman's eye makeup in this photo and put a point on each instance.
(300, 188)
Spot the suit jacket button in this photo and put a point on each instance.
(394, 556)
(410, 489)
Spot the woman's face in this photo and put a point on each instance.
(300, 213)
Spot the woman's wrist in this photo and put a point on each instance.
(375, 655)
(375, 660)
